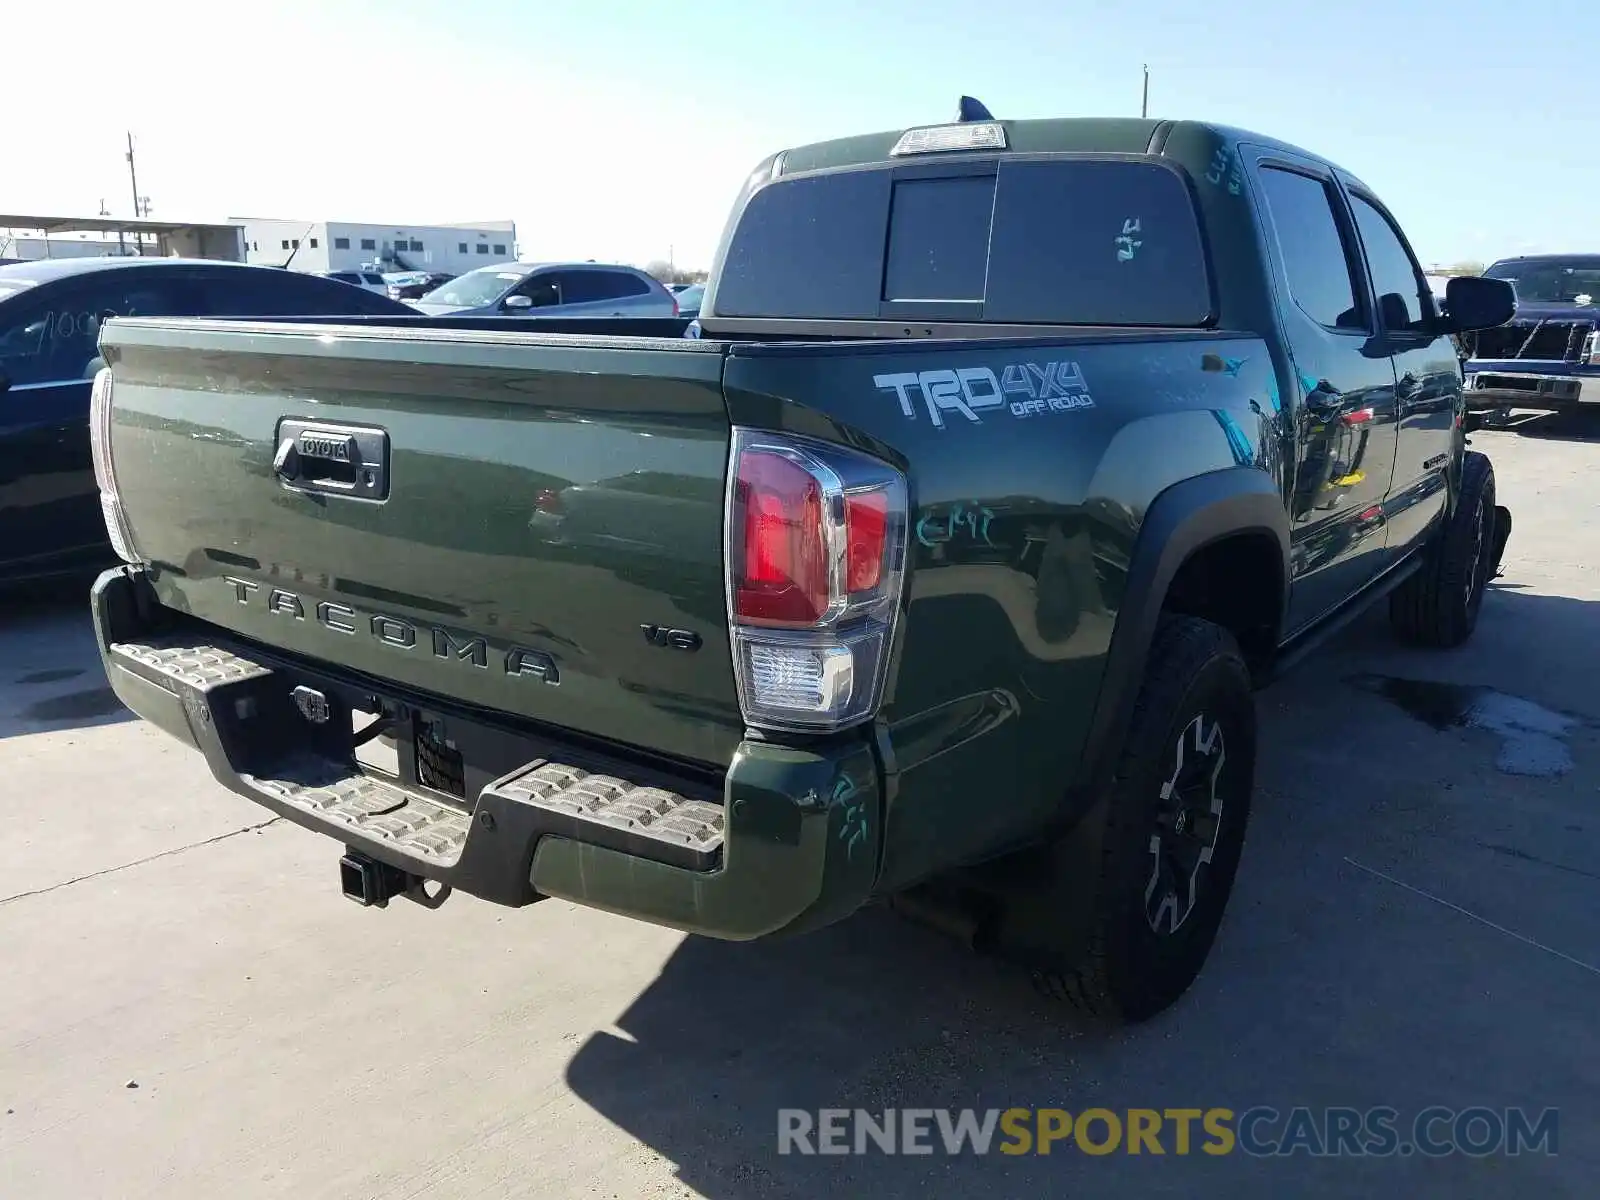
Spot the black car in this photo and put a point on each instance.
(417, 287)
(50, 314)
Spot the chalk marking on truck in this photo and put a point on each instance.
(853, 814)
(970, 391)
(944, 524)
(1127, 244)
(1225, 162)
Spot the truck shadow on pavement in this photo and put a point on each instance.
(50, 672)
(1351, 970)
(1557, 427)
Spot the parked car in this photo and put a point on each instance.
(551, 290)
(941, 569)
(413, 285)
(370, 281)
(50, 316)
(689, 299)
(1548, 359)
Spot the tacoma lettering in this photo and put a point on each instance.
(447, 645)
(475, 651)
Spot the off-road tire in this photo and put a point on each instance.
(1439, 605)
(1129, 972)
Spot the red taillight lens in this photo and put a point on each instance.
(815, 552)
(783, 575)
(867, 528)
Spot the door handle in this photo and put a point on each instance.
(339, 460)
(286, 462)
(1323, 400)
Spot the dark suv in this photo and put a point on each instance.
(50, 316)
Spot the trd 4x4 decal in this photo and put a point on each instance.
(1022, 389)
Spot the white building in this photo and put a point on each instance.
(348, 246)
(40, 236)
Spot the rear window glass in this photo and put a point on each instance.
(1077, 242)
(939, 239)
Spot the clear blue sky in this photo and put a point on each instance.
(620, 128)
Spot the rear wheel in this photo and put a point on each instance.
(1173, 830)
(1439, 605)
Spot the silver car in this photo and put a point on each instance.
(369, 281)
(551, 290)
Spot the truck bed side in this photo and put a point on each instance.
(1026, 517)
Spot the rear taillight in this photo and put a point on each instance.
(105, 475)
(815, 557)
(676, 311)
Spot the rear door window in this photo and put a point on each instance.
(629, 285)
(1316, 264)
(544, 290)
(53, 336)
(1396, 278)
(30, 327)
(1080, 241)
(589, 287)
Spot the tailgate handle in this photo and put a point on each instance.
(337, 460)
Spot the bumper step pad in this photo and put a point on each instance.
(412, 824)
(635, 815)
(227, 696)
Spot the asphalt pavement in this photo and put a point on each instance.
(189, 1008)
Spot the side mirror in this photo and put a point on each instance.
(513, 302)
(1474, 302)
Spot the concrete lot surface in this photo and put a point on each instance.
(1412, 926)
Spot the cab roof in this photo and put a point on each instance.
(1054, 135)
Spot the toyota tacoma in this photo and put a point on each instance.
(938, 569)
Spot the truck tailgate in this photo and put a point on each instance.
(524, 523)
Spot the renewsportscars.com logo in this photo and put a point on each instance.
(1262, 1131)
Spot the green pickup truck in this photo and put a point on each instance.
(938, 569)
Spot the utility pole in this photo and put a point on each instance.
(133, 178)
(122, 247)
(1144, 104)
